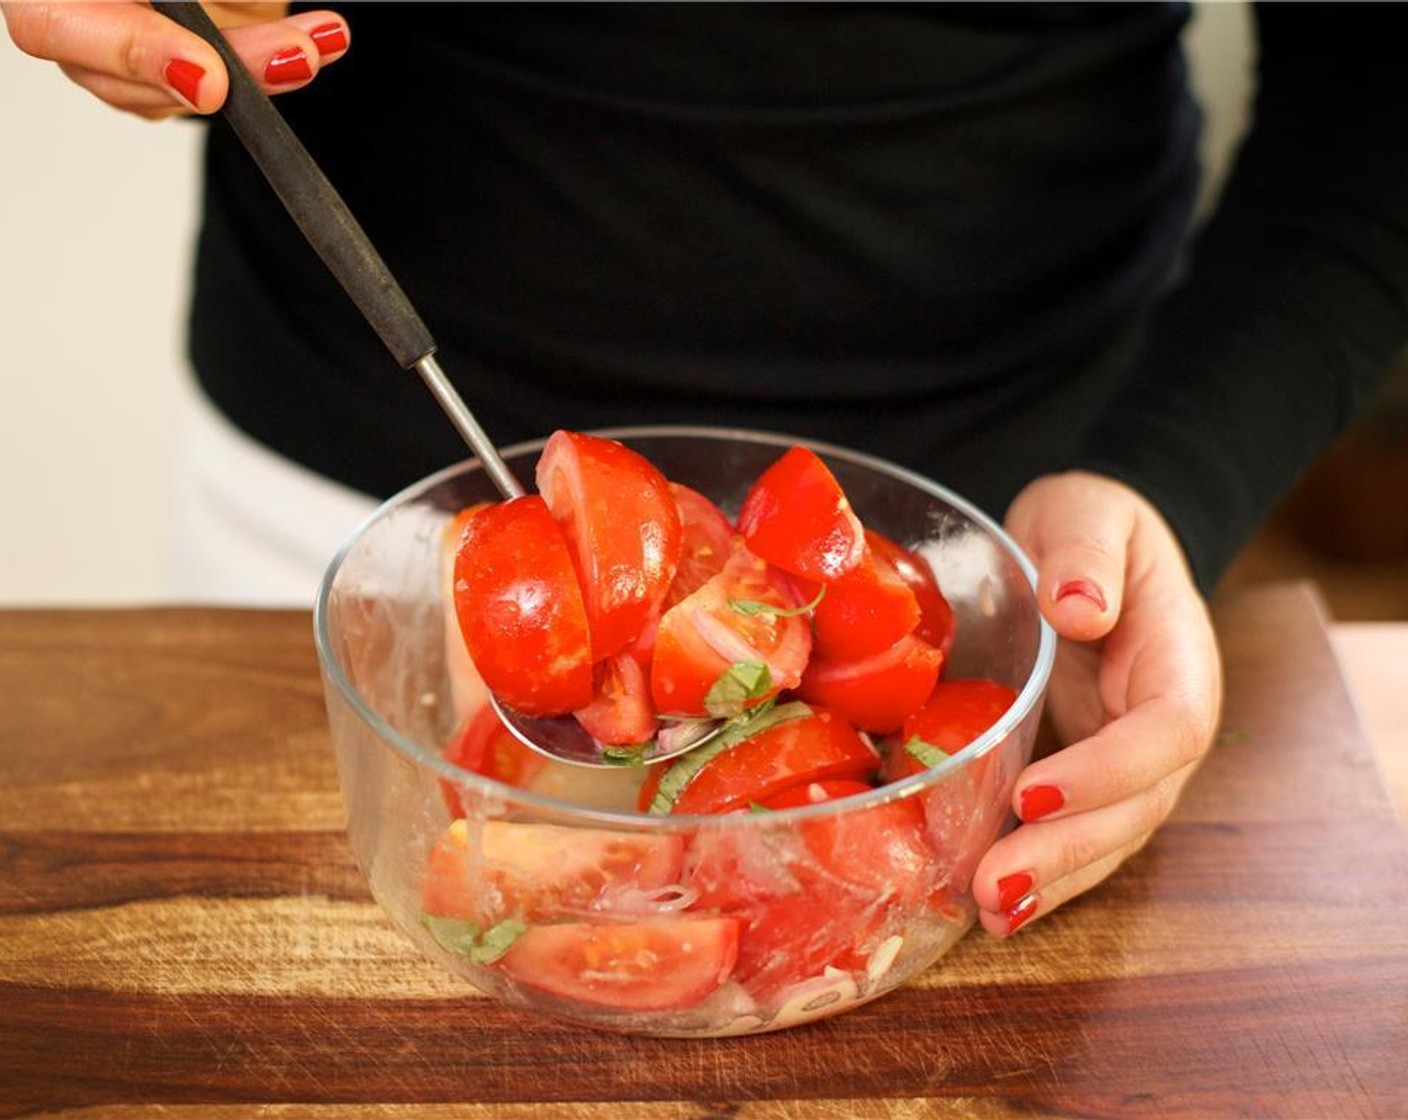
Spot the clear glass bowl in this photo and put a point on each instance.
(690, 925)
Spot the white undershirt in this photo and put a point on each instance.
(251, 528)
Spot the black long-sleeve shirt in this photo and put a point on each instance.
(954, 235)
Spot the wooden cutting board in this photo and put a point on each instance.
(183, 932)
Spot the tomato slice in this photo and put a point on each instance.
(796, 516)
(817, 747)
(830, 900)
(620, 711)
(622, 526)
(495, 870)
(467, 688)
(863, 612)
(875, 693)
(936, 621)
(707, 542)
(665, 964)
(701, 637)
(814, 793)
(956, 713)
(520, 608)
(483, 745)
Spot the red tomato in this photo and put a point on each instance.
(864, 612)
(701, 636)
(797, 517)
(664, 964)
(936, 622)
(829, 901)
(875, 693)
(620, 711)
(814, 793)
(955, 714)
(485, 746)
(622, 527)
(814, 748)
(707, 542)
(533, 872)
(520, 608)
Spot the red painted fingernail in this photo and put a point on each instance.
(331, 38)
(1081, 587)
(1011, 889)
(1019, 914)
(287, 67)
(184, 77)
(1040, 801)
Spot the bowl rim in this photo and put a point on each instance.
(1029, 696)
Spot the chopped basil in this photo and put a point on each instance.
(628, 754)
(754, 606)
(740, 682)
(497, 939)
(924, 751)
(679, 772)
(463, 937)
(754, 807)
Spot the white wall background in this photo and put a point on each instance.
(97, 216)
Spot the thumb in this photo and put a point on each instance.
(1076, 528)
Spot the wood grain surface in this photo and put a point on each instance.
(183, 932)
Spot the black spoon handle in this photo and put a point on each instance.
(312, 201)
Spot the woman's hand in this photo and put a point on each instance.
(139, 61)
(1135, 695)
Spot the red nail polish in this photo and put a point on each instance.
(184, 77)
(1082, 587)
(287, 67)
(1039, 801)
(331, 38)
(1011, 889)
(1018, 915)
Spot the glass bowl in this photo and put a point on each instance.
(562, 899)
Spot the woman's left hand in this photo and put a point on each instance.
(1135, 694)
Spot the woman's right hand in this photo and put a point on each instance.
(137, 60)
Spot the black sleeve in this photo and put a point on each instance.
(1295, 298)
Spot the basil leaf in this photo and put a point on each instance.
(626, 754)
(924, 751)
(754, 606)
(740, 682)
(459, 936)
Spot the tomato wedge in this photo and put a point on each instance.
(467, 688)
(665, 964)
(797, 517)
(483, 745)
(620, 711)
(816, 747)
(707, 542)
(863, 612)
(956, 713)
(745, 615)
(875, 693)
(936, 622)
(533, 872)
(829, 902)
(622, 526)
(520, 608)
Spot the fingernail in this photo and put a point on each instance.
(1017, 915)
(1040, 801)
(1082, 587)
(331, 38)
(1011, 889)
(184, 77)
(287, 67)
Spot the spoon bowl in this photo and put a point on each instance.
(564, 739)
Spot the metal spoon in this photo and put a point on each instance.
(339, 239)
